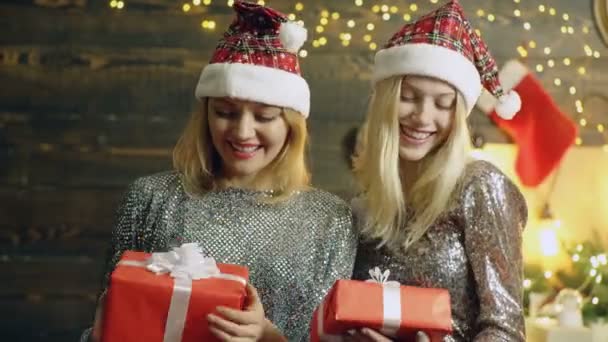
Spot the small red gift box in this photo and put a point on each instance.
(394, 310)
(144, 306)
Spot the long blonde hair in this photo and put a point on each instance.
(377, 170)
(199, 164)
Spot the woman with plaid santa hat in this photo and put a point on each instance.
(427, 213)
(241, 186)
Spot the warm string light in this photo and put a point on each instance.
(566, 28)
(208, 24)
(117, 4)
(387, 12)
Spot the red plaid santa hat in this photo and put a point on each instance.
(443, 45)
(257, 60)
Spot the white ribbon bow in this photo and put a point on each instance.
(377, 276)
(186, 261)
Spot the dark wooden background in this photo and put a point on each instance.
(92, 97)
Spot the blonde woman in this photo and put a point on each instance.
(241, 185)
(429, 214)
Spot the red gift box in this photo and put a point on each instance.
(394, 310)
(143, 306)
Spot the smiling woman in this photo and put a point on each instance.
(428, 213)
(600, 11)
(240, 187)
(232, 142)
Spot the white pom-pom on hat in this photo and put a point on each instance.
(292, 36)
(508, 105)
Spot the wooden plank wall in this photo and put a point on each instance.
(93, 98)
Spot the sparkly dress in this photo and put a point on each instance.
(295, 250)
(474, 251)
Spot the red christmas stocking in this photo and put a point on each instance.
(542, 132)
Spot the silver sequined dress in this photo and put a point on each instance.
(474, 252)
(294, 250)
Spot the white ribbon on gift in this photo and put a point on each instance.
(391, 301)
(184, 263)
